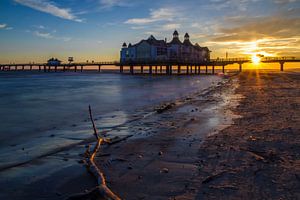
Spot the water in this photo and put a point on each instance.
(41, 112)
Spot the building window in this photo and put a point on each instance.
(161, 51)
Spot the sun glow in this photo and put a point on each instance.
(255, 59)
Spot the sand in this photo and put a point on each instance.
(237, 140)
(258, 156)
(181, 154)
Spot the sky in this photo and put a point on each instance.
(35, 30)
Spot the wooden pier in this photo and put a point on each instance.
(162, 67)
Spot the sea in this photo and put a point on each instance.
(43, 113)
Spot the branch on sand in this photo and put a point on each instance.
(101, 192)
(213, 177)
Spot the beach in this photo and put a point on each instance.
(254, 156)
(258, 156)
(160, 100)
(234, 139)
(46, 127)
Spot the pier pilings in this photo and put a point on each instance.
(131, 69)
(160, 67)
(281, 65)
(178, 69)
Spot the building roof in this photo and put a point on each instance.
(54, 59)
(205, 48)
(175, 41)
(198, 47)
(153, 41)
(176, 33)
(187, 42)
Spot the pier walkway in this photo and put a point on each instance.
(161, 67)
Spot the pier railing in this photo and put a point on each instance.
(168, 65)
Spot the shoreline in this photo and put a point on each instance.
(149, 167)
(112, 130)
(245, 160)
(61, 162)
(258, 156)
(201, 146)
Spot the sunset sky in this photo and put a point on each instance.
(34, 30)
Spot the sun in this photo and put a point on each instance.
(255, 59)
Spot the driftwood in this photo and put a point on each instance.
(212, 177)
(223, 187)
(101, 192)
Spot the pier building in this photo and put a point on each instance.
(153, 50)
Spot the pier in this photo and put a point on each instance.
(161, 67)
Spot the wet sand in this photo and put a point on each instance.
(258, 156)
(185, 157)
(162, 162)
(197, 148)
(60, 173)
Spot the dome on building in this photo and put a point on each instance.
(186, 36)
(175, 34)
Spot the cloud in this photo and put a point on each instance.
(151, 33)
(168, 27)
(138, 27)
(262, 27)
(271, 35)
(43, 35)
(112, 3)
(39, 26)
(5, 27)
(49, 7)
(49, 35)
(162, 14)
(140, 21)
(107, 4)
(241, 5)
(284, 1)
(2, 26)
